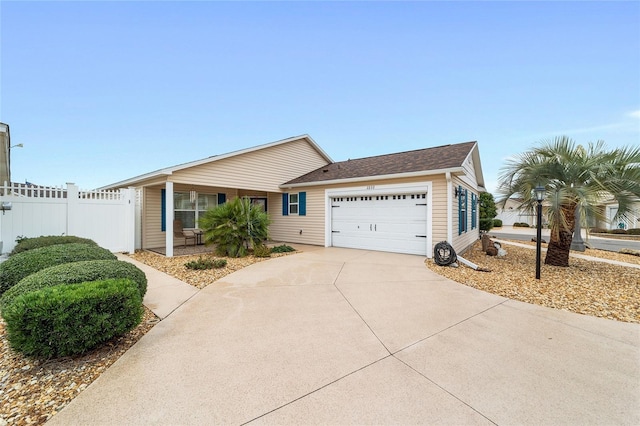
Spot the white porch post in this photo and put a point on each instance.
(168, 203)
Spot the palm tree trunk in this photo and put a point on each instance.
(560, 242)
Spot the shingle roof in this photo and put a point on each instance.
(436, 158)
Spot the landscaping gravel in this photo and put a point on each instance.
(32, 391)
(585, 287)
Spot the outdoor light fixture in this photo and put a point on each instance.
(540, 193)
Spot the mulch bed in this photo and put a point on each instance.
(585, 287)
(32, 391)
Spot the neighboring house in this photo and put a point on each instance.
(609, 209)
(404, 202)
(513, 212)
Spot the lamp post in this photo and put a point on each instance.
(540, 192)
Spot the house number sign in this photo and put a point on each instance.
(371, 187)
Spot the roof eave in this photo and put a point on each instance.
(375, 177)
(135, 181)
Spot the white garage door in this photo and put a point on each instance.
(390, 222)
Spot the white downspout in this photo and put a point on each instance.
(449, 208)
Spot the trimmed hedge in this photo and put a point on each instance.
(521, 225)
(48, 240)
(26, 263)
(497, 223)
(618, 231)
(73, 273)
(486, 224)
(633, 231)
(71, 319)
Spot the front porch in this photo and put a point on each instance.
(183, 203)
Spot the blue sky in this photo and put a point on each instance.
(103, 91)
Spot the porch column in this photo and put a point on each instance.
(168, 202)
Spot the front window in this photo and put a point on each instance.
(293, 203)
(189, 206)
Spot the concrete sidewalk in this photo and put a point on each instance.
(338, 336)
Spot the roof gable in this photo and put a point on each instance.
(170, 170)
(421, 160)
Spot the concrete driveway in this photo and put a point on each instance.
(337, 336)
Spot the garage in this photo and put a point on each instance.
(395, 222)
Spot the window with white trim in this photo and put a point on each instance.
(189, 206)
(293, 203)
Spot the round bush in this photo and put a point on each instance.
(48, 240)
(26, 263)
(71, 319)
(497, 223)
(73, 273)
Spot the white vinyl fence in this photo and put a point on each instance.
(107, 217)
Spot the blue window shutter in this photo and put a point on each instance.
(285, 204)
(302, 204)
(163, 209)
(460, 220)
(474, 211)
(222, 198)
(466, 210)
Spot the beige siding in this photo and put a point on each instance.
(260, 170)
(152, 235)
(287, 228)
(463, 241)
(469, 176)
(439, 206)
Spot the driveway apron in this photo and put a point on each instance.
(339, 336)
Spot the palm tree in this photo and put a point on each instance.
(575, 178)
(235, 227)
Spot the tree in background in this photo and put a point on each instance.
(574, 177)
(488, 211)
(235, 227)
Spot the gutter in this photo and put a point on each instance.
(378, 177)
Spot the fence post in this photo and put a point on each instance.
(129, 200)
(72, 208)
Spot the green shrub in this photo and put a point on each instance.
(633, 231)
(521, 225)
(261, 251)
(26, 263)
(486, 224)
(71, 319)
(73, 273)
(282, 249)
(200, 264)
(203, 263)
(599, 230)
(618, 231)
(50, 240)
(497, 223)
(235, 226)
(219, 263)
